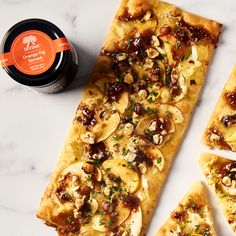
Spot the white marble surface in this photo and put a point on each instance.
(33, 126)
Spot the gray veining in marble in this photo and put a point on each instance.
(33, 126)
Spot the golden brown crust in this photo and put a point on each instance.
(218, 125)
(189, 208)
(177, 108)
(220, 176)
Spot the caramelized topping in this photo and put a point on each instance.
(131, 202)
(114, 90)
(61, 190)
(67, 222)
(98, 153)
(141, 157)
(126, 16)
(180, 216)
(231, 99)
(88, 116)
(187, 33)
(228, 120)
(214, 135)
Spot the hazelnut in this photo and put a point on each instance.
(116, 147)
(152, 53)
(214, 137)
(85, 189)
(129, 79)
(227, 181)
(143, 94)
(88, 168)
(165, 29)
(121, 56)
(148, 63)
(79, 202)
(107, 191)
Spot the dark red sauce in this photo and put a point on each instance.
(88, 116)
(131, 202)
(180, 216)
(228, 120)
(231, 98)
(141, 157)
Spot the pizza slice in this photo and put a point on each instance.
(191, 217)
(221, 129)
(130, 121)
(221, 176)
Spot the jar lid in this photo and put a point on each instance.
(35, 52)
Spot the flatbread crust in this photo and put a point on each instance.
(221, 129)
(130, 121)
(220, 174)
(191, 217)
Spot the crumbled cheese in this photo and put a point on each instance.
(158, 139)
(227, 181)
(128, 129)
(121, 56)
(88, 138)
(142, 167)
(214, 137)
(153, 126)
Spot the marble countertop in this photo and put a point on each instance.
(33, 126)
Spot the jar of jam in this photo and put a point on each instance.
(36, 53)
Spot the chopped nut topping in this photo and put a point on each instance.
(128, 129)
(129, 79)
(143, 94)
(121, 56)
(153, 126)
(227, 181)
(152, 53)
(214, 137)
(155, 41)
(158, 139)
(88, 168)
(88, 138)
(142, 167)
(148, 63)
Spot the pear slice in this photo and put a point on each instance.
(178, 117)
(93, 206)
(97, 225)
(154, 154)
(106, 127)
(183, 88)
(92, 96)
(123, 103)
(122, 213)
(136, 222)
(120, 168)
(231, 190)
(144, 124)
(77, 169)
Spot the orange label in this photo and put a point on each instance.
(33, 52)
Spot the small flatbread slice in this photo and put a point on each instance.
(191, 217)
(221, 176)
(221, 129)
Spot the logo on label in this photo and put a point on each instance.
(30, 42)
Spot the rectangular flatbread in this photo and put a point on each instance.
(221, 129)
(221, 177)
(130, 121)
(191, 217)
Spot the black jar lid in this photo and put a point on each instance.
(60, 61)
